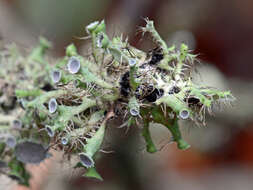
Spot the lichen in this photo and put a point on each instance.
(67, 105)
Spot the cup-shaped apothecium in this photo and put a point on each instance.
(134, 112)
(52, 105)
(86, 160)
(17, 124)
(64, 140)
(184, 114)
(56, 76)
(132, 62)
(11, 141)
(50, 131)
(74, 65)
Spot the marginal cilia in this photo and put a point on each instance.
(66, 105)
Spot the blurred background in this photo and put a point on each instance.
(220, 32)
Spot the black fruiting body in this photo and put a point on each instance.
(125, 84)
(156, 56)
(193, 100)
(154, 95)
(174, 90)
